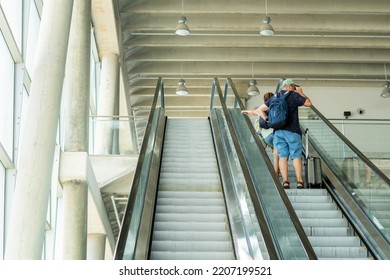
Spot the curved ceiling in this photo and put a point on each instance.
(329, 43)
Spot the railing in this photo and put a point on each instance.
(282, 232)
(134, 236)
(244, 227)
(362, 133)
(116, 135)
(237, 184)
(362, 182)
(120, 135)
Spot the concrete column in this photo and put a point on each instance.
(29, 209)
(115, 140)
(96, 246)
(75, 205)
(108, 91)
(76, 91)
(77, 79)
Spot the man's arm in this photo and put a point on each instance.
(307, 101)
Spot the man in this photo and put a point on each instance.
(288, 140)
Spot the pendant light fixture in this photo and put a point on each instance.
(252, 89)
(267, 29)
(181, 88)
(386, 90)
(182, 27)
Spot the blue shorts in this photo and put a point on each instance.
(288, 144)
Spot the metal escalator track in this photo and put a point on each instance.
(326, 226)
(344, 174)
(190, 218)
(347, 220)
(185, 201)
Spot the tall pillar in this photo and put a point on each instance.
(96, 246)
(76, 91)
(75, 205)
(106, 108)
(29, 208)
(76, 85)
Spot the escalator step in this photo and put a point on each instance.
(156, 255)
(191, 236)
(192, 246)
(199, 223)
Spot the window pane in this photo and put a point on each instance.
(2, 222)
(13, 12)
(25, 103)
(6, 97)
(32, 38)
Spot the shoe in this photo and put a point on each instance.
(286, 184)
(300, 185)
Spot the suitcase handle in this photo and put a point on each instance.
(307, 143)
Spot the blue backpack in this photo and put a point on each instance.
(263, 123)
(278, 112)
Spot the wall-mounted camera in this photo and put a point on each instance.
(347, 114)
(360, 111)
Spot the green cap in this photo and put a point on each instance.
(288, 82)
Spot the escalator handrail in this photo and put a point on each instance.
(267, 235)
(288, 206)
(361, 156)
(125, 225)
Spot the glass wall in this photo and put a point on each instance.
(6, 98)
(13, 12)
(32, 37)
(19, 26)
(2, 208)
(13, 99)
(361, 133)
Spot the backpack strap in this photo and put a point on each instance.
(286, 94)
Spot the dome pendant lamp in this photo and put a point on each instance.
(182, 27)
(267, 29)
(252, 89)
(181, 88)
(385, 93)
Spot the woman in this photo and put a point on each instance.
(266, 134)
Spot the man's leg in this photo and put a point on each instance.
(295, 145)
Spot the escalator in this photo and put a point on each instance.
(193, 197)
(329, 231)
(358, 188)
(345, 219)
(190, 217)
(205, 189)
(179, 206)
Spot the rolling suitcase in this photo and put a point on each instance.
(313, 172)
(313, 169)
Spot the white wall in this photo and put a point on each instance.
(332, 102)
(365, 131)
